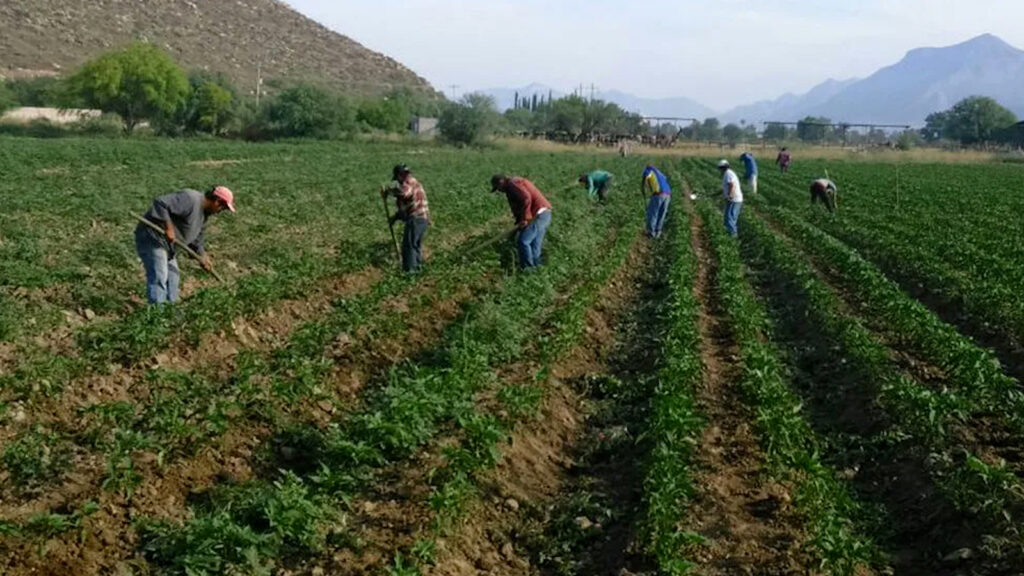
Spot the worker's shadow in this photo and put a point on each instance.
(381, 254)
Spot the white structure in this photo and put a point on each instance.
(28, 114)
(424, 126)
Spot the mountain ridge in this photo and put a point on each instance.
(240, 38)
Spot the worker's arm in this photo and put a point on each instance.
(591, 189)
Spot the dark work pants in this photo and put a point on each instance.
(412, 243)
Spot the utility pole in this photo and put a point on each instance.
(592, 89)
(454, 87)
(259, 81)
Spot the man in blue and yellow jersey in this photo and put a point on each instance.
(655, 183)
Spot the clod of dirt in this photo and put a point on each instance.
(512, 504)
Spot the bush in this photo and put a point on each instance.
(387, 114)
(470, 121)
(305, 110)
(7, 99)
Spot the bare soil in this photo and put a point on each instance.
(748, 521)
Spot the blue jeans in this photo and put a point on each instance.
(531, 240)
(732, 216)
(162, 276)
(657, 209)
(412, 243)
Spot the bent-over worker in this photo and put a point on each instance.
(532, 213)
(182, 216)
(750, 170)
(824, 190)
(412, 210)
(655, 183)
(733, 195)
(598, 183)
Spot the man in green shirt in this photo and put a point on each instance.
(598, 183)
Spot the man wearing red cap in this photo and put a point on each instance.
(182, 216)
(532, 212)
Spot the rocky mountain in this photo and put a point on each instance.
(926, 80)
(235, 37)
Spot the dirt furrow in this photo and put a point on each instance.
(747, 520)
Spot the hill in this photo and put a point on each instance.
(236, 37)
(926, 80)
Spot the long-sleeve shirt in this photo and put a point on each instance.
(595, 180)
(525, 200)
(412, 200)
(783, 159)
(184, 209)
(655, 182)
(749, 165)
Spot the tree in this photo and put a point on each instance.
(7, 99)
(139, 82)
(732, 133)
(469, 121)
(935, 126)
(776, 132)
(812, 129)
(306, 110)
(385, 114)
(710, 130)
(976, 120)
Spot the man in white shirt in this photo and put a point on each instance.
(733, 195)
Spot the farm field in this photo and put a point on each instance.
(822, 395)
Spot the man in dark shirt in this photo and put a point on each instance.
(532, 213)
(182, 216)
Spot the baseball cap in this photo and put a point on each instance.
(723, 163)
(496, 181)
(226, 196)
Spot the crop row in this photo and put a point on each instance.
(973, 370)
(393, 422)
(923, 417)
(791, 446)
(481, 434)
(675, 422)
(946, 239)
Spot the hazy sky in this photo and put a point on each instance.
(719, 52)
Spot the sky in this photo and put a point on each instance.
(722, 53)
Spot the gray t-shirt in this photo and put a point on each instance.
(184, 209)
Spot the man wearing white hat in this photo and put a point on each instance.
(733, 195)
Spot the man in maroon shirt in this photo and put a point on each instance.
(532, 213)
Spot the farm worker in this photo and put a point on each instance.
(783, 160)
(733, 195)
(598, 183)
(182, 215)
(655, 183)
(825, 190)
(750, 171)
(532, 213)
(412, 209)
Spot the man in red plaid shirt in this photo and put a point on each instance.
(412, 207)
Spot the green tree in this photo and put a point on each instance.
(976, 120)
(776, 132)
(812, 129)
(710, 130)
(935, 126)
(732, 133)
(384, 114)
(139, 82)
(7, 99)
(305, 110)
(470, 121)
(568, 114)
(214, 107)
